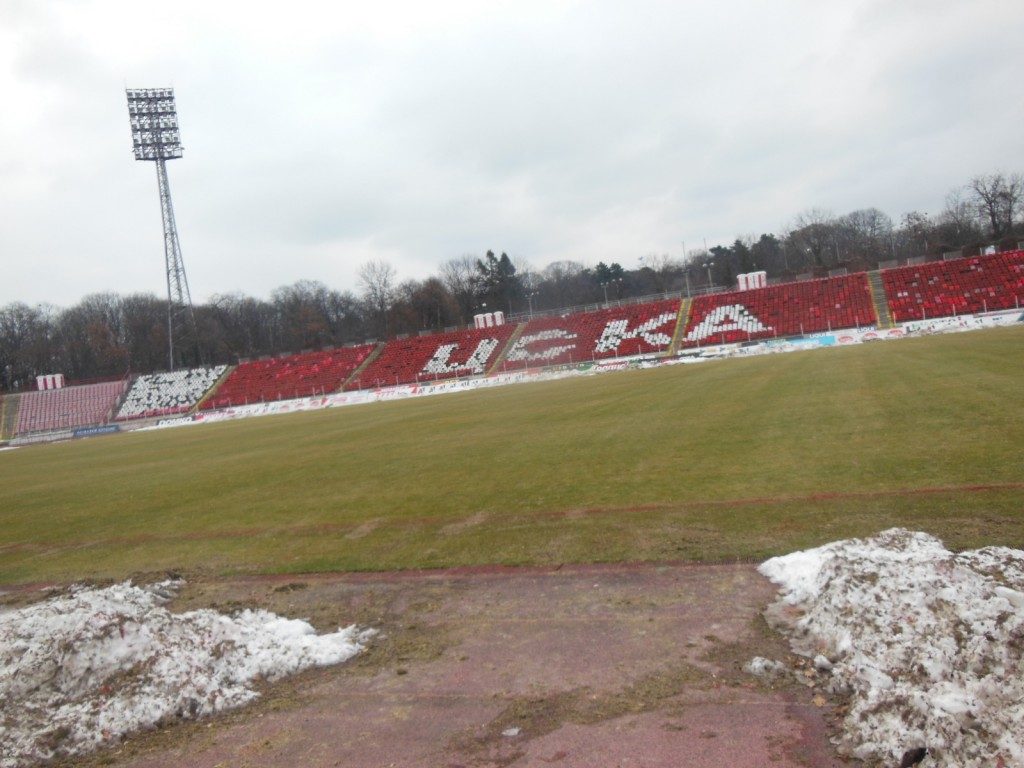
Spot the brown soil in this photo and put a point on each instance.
(577, 666)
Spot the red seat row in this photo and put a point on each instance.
(614, 332)
(955, 287)
(283, 378)
(438, 356)
(790, 309)
(68, 407)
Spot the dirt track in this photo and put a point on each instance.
(581, 666)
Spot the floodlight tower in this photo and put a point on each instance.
(155, 137)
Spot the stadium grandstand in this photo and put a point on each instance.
(69, 407)
(790, 309)
(955, 287)
(616, 332)
(290, 376)
(906, 294)
(434, 357)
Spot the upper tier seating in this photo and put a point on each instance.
(68, 407)
(956, 287)
(615, 332)
(160, 394)
(437, 356)
(283, 378)
(781, 310)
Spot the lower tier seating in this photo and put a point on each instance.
(615, 332)
(68, 407)
(161, 394)
(955, 287)
(435, 357)
(283, 378)
(791, 309)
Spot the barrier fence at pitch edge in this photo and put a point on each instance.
(693, 355)
(102, 429)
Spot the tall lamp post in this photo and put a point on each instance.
(155, 138)
(708, 265)
(605, 285)
(686, 270)
(529, 298)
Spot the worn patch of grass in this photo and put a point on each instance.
(735, 459)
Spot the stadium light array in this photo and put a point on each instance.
(154, 121)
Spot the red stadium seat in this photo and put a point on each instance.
(616, 332)
(68, 407)
(435, 357)
(790, 309)
(956, 287)
(283, 378)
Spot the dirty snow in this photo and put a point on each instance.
(81, 669)
(928, 645)
(767, 668)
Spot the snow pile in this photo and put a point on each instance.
(82, 669)
(929, 645)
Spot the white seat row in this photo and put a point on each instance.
(158, 394)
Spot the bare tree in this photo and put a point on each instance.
(564, 284)
(461, 278)
(814, 238)
(865, 237)
(27, 344)
(145, 331)
(377, 283)
(917, 232)
(424, 305)
(250, 326)
(999, 198)
(303, 312)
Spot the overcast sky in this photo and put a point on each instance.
(319, 136)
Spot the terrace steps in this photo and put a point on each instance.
(684, 317)
(363, 366)
(878, 297)
(9, 415)
(504, 350)
(213, 390)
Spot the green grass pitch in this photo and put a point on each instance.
(735, 459)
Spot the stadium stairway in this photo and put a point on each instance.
(212, 390)
(684, 317)
(8, 415)
(880, 299)
(501, 357)
(365, 364)
(112, 416)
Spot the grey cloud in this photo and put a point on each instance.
(581, 130)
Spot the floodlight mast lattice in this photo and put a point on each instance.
(155, 136)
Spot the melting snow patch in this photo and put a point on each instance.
(82, 669)
(766, 668)
(930, 645)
